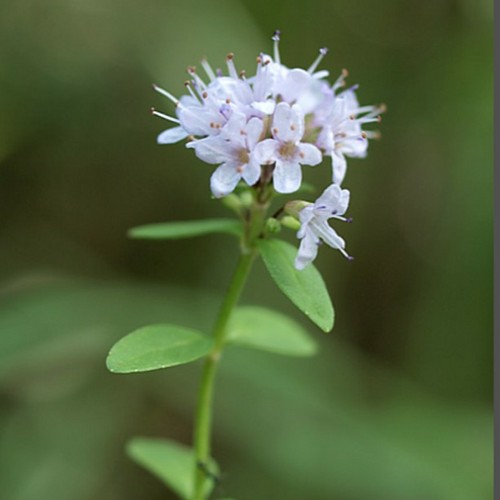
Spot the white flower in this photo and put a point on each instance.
(283, 117)
(233, 148)
(341, 134)
(286, 150)
(314, 227)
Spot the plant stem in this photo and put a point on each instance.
(203, 424)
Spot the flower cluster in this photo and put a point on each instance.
(264, 128)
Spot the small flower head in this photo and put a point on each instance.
(281, 117)
(259, 130)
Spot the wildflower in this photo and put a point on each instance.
(233, 148)
(286, 150)
(314, 228)
(282, 117)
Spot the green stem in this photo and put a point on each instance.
(203, 424)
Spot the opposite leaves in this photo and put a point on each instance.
(157, 346)
(306, 288)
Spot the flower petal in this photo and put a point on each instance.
(339, 166)
(224, 179)
(307, 251)
(172, 135)
(287, 176)
(211, 150)
(322, 230)
(309, 154)
(251, 172)
(266, 151)
(253, 130)
(288, 123)
(266, 107)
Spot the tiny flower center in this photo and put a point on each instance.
(287, 150)
(243, 157)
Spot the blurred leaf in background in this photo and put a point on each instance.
(397, 405)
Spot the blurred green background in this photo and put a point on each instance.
(398, 404)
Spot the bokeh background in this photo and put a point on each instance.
(398, 404)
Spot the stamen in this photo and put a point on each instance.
(343, 219)
(208, 69)
(165, 117)
(163, 92)
(322, 53)
(231, 67)
(276, 39)
(340, 81)
(187, 84)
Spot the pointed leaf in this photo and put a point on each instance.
(268, 330)
(157, 346)
(185, 229)
(306, 288)
(171, 462)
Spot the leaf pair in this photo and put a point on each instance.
(161, 346)
(306, 288)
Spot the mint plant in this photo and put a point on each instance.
(259, 131)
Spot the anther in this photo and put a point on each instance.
(230, 56)
(363, 135)
(275, 131)
(204, 95)
(382, 108)
(292, 127)
(191, 70)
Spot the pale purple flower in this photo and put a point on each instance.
(314, 227)
(341, 119)
(233, 149)
(286, 150)
(288, 117)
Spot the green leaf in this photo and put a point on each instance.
(186, 229)
(171, 462)
(157, 346)
(268, 330)
(306, 288)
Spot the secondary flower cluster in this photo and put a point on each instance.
(265, 127)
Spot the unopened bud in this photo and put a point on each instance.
(290, 222)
